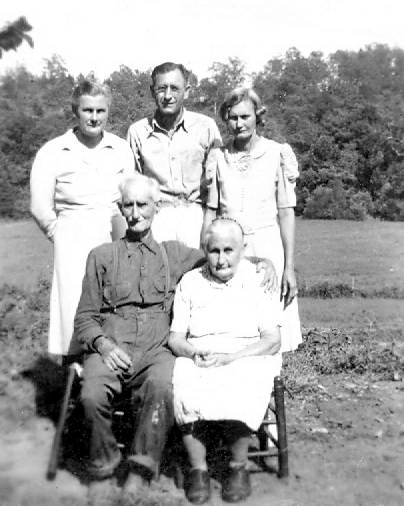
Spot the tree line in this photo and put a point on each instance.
(343, 115)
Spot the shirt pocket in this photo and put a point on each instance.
(118, 294)
(159, 285)
(192, 161)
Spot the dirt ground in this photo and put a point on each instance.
(346, 447)
(345, 421)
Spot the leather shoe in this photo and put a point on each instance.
(237, 486)
(198, 489)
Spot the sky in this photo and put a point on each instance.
(101, 35)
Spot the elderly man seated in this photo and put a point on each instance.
(122, 323)
(225, 331)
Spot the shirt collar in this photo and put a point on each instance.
(149, 242)
(182, 123)
(70, 141)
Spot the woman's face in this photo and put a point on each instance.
(92, 115)
(224, 251)
(242, 120)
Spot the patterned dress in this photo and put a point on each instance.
(251, 187)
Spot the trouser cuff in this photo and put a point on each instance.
(99, 472)
(144, 465)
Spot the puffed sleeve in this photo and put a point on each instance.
(42, 186)
(181, 309)
(286, 178)
(289, 163)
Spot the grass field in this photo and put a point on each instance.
(368, 254)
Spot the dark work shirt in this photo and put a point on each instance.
(139, 289)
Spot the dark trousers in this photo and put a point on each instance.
(149, 383)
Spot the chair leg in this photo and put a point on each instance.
(279, 395)
(55, 451)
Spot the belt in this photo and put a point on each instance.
(178, 201)
(132, 309)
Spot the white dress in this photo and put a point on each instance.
(74, 195)
(224, 317)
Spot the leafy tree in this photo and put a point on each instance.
(13, 35)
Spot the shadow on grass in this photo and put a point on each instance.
(49, 380)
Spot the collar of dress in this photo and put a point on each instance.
(237, 281)
(70, 141)
(257, 151)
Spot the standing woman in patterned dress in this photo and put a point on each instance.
(74, 195)
(256, 185)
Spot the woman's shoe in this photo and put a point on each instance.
(198, 489)
(237, 486)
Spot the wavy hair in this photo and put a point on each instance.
(92, 87)
(238, 95)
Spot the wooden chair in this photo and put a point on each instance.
(271, 443)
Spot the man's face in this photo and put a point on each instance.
(224, 251)
(92, 113)
(138, 208)
(169, 92)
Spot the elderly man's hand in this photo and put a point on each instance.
(113, 356)
(270, 279)
(289, 286)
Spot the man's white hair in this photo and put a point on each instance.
(140, 180)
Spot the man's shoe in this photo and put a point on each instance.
(237, 486)
(198, 489)
(102, 492)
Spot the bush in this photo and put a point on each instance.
(334, 202)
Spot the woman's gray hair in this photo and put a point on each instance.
(216, 223)
(139, 179)
(90, 86)
(238, 95)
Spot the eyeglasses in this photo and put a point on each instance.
(162, 90)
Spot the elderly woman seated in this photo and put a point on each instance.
(225, 333)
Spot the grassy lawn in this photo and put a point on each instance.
(368, 254)
(354, 312)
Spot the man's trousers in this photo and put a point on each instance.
(149, 385)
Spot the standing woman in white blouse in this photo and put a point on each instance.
(74, 195)
(256, 185)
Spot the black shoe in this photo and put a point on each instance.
(237, 486)
(198, 489)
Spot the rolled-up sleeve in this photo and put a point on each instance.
(42, 186)
(134, 143)
(87, 323)
(286, 178)
(212, 200)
